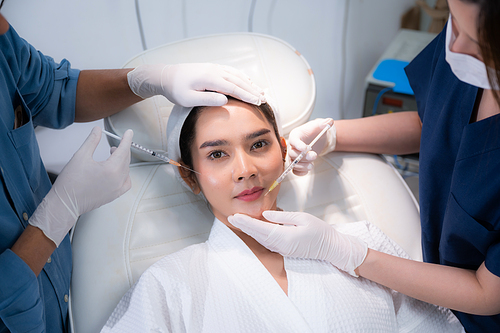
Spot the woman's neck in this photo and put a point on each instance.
(487, 106)
(272, 261)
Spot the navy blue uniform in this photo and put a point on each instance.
(459, 173)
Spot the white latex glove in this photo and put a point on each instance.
(302, 235)
(301, 136)
(194, 84)
(82, 186)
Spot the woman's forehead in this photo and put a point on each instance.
(231, 119)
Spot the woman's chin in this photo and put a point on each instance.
(253, 209)
(256, 212)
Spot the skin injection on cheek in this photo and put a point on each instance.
(298, 159)
(150, 152)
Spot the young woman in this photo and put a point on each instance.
(231, 283)
(35, 217)
(457, 132)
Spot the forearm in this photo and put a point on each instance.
(475, 292)
(34, 248)
(396, 133)
(101, 93)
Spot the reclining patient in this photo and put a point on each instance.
(231, 283)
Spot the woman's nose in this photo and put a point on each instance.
(244, 167)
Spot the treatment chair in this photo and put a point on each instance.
(114, 244)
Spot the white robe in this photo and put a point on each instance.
(221, 286)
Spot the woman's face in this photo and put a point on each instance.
(464, 23)
(238, 156)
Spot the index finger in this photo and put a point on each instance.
(237, 88)
(255, 228)
(243, 77)
(245, 89)
(284, 218)
(90, 144)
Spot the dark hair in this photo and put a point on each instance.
(489, 39)
(188, 129)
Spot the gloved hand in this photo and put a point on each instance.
(304, 236)
(82, 186)
(301, 136)
(194, 84)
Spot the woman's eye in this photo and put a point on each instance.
(259, 144)
(216, 155)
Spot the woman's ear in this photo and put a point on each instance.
(190, 178)
(283, 147)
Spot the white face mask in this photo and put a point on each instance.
(466, 68)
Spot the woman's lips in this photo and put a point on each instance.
(250, 195)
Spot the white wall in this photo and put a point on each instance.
(91, 34)
(341, 39)
(372, 24)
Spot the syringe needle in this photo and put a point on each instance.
(114, 136)
(298, 159)
(272, 187)
(150, 152)
(171, 161)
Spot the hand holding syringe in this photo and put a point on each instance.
(297, 160)
(150, 152)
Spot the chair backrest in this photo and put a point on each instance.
(271, 63)
(114, 244)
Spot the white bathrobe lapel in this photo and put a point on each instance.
(253, 281)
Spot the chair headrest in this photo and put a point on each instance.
(270, 62)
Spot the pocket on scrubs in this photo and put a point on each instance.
(464, 240)
(26, 146)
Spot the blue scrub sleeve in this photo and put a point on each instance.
(47, 87)
(21, 307)
(52, 102)
(59, 111)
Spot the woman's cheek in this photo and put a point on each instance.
(212, 180)
(209, 183)
(276, 168)
(208, 174)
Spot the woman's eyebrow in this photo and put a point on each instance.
(257, 134)
(214, 143)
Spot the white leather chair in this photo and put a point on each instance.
(114, 244)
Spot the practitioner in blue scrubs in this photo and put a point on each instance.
(35, 217)
(457, 132)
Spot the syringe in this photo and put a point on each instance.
(150, 152)
(298, 159)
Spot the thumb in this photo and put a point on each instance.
(286, 218)
(327, 121)
(123, 149)
(311, 155)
